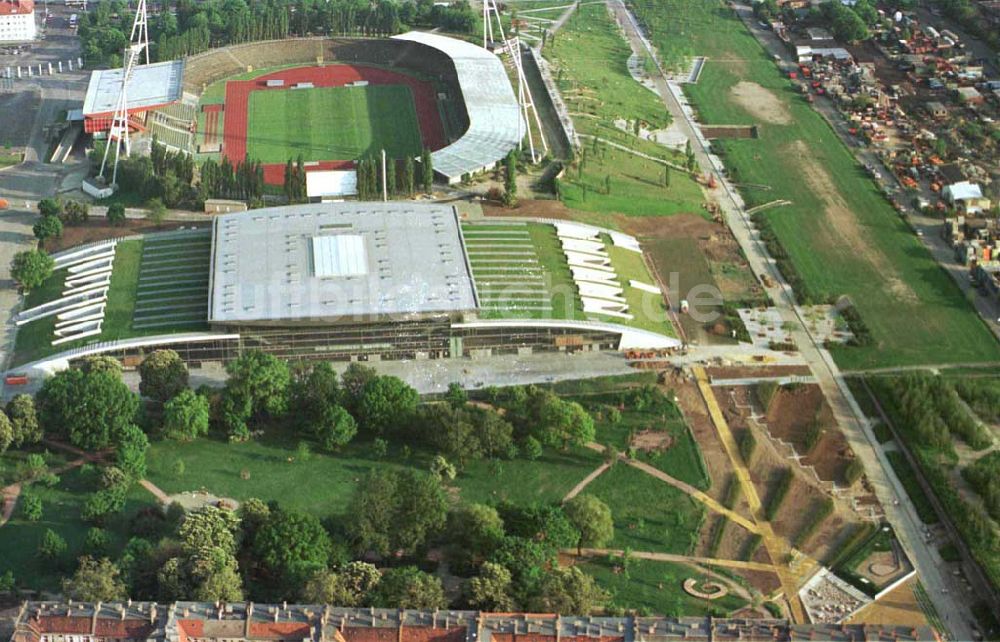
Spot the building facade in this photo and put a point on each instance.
(17, 20)
(248, 622)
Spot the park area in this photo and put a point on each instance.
(841, 234)
(632, 416)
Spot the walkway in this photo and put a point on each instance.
(670, 557)
(12, 493)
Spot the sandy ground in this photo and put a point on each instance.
(842, 222)
(760, 103)
(897, 608)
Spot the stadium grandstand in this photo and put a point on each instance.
(151, 87)
(350, 281)
(495, 123)
(465, 108)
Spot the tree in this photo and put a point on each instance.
(75, 213)
(510, 175)
(185, 417)
(31, 506)
(95, 581)
(156, 211)
(47, 227)
(350, 586)
(592, 518)
(30, 268)
(409, 174)
(162, 375)
(116, 214)
(334, 428)
(6, 433)
(386, 401)
(24, 421)
(206, 568)
(396, 511)
(390, 176)
(97, 541)
(562, 423)
(52, 546)
(289, 548)
(353, 383)
(427, 170)
(257, 388)
(408, 587)
(50, 207)
(568, 591)
(456, 395)
(92, 408)
(491, 589)
(130, 453)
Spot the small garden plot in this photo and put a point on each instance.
(172, 290)
(876, 562)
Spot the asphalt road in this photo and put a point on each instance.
(849, 416)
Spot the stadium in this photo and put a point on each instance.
(330, 101)
(347, 281)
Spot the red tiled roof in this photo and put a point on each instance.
(67, 625)
(128, 628)
(279, 630)
(16, 7)
(522, 637)
(190, 628)
(429, 634)
(366, 634)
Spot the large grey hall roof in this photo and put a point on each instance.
(495, 123)
(330, 261)
(150, 86)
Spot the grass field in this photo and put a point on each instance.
(657, 588)
(332, 122)
(841, 234)
(589, 59)
(61, 506)
(649, 515)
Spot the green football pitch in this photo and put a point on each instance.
(332, 123)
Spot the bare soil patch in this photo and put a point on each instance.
(898, 608)
(739, 372)
(841, 221)
(652, 440)
(538, 208)
(97, 229)
(760, 103)
(790, 417)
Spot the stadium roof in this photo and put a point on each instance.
(150, 86)
(495, 124)
(325, 261)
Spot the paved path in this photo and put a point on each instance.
(576, 490)
(157, 492)
(670, 557)
(12, 493)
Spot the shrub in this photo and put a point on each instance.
(777, 498)
(764, 392)
(748, 444)
(816, 518)
(31, 506)
(853, 472)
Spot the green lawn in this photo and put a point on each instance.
(649, 309)
(332, 122)
(657, 588)
(649, 514)
(851, 242)
(589, 59)
(61, 506)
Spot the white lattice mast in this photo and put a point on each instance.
(524, 98)
(119, 132)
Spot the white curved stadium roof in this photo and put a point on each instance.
(495, 124)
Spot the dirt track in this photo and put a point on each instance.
(760, 103)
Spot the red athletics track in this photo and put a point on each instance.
(238, 98)
(212, 123)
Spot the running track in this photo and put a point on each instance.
(238, 98)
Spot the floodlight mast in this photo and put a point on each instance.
(524, 98)
(138, 47)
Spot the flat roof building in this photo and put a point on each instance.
(325, 262)
(150, 86)
(17, 20)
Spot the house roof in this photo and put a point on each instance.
(964, 191)
(17, 7)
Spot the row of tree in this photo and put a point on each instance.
(186, 27)
(401, 176)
